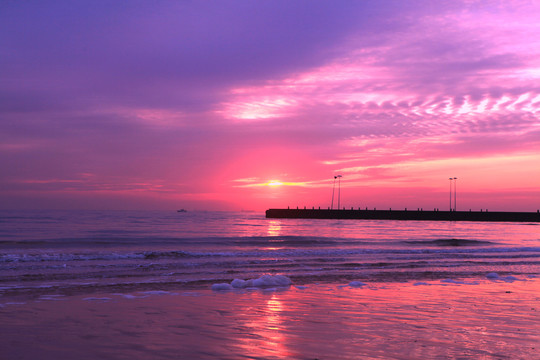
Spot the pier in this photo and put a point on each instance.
(419, 214)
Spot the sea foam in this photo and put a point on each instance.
(495, 276)
(263, 282)
(221, 286)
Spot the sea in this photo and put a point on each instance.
(85, 252)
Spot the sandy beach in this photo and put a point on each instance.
(470, 319)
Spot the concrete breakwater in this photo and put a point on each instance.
(365, 214)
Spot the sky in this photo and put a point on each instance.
(249, 105)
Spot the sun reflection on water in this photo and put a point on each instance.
(274, 228)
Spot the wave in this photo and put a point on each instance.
(127, 237)
(7, 258)
(290, 253)
(132, 285)
(449, 242)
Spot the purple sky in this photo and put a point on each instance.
(257, 104)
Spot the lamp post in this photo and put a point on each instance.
(339, 191)
(333, 189)
(455, 193)
(450, 193)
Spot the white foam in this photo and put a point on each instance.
(271, 281)
(263, 282)
(159, 292)
(495, 276)
(129, 296)
(221, 287)
(452, 281)
(51, 297)
(13, 303)
(457, 282)
(239, 283)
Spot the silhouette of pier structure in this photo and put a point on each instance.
(418, 214)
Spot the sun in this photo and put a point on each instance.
(274, 183)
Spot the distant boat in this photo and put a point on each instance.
(181, 210)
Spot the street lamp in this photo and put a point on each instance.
(450, 192)
(333, 189)
(455, 193)
(339, 190)
(455, 197)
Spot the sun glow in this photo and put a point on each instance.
(254, 182)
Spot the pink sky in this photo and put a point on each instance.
(251, 105)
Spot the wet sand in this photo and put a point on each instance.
(480, 319)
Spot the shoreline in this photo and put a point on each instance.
(482, 318)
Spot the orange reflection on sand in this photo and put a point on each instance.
(268, 334)
(274, 307)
